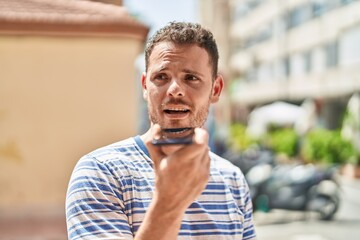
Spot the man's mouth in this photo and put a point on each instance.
(177, 132)
(176, 112)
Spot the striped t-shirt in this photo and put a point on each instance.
(111, 188)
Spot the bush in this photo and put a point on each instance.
(239, 140)
(327, 146)
(283, 141)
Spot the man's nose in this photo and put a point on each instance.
(176, 89)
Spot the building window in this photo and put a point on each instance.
(265, 73)
(251, 75)
(287, 66)
(307, 61)
(279, 70)
(318, 60)
(345, 2)
(282, 68)
(261, 35)
(279, 26)
(297, 65)
(331, 50)
(299, 15)
(240, 11)
(319, 7)
(349, 47)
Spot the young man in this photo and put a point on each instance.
(134, 189)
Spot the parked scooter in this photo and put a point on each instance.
(294, 187)
(288, 186)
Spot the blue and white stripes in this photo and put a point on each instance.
(111, 188)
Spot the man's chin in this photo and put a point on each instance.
(174, 123)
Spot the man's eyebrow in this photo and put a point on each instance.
(192, 72)
(161, 68)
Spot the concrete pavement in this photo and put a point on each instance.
(289, 225)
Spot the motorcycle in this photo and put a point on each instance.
(292, 186)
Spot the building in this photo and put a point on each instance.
(214, 15)
(67, 86)
(292, 51)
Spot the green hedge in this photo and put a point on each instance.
(327, 146)
(318, 146)
(239, 140)
(283, 141)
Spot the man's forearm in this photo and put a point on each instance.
(160, 223)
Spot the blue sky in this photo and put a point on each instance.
(156, 13)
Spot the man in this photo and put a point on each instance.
(135, 189)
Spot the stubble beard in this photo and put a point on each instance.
(196, 120)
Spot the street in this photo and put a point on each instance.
(288, 225)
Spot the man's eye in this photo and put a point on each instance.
(161, 77)
(191, 78)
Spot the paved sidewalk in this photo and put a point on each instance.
(290, 225)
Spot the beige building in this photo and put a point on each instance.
(292, 51)
(214, 15)
(67, 86)
(296, 50)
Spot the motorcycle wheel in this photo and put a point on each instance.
(327, 207)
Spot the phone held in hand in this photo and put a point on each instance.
(173, 136)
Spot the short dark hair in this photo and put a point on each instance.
(185, 33)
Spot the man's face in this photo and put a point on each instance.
(178, 85)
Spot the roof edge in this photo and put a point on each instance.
(109, 29)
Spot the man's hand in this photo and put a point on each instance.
(182, 171)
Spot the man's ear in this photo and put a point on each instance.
(143, 84)
(218, 85)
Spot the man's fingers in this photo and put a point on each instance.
(197, 148)
(155, 152)
(156, 131)
(201, 136)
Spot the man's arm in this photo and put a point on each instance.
(182, 173)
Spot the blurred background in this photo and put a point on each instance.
(289, 116)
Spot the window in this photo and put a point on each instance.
(251, 75)
(345, 2)
(240, 11)
(261, 35)
(349, 47)
(282, 68)
(322, 6)
(318, 60)
(331, 50)
(299, 15)
(319, 7)
(265, 73)
(297, 65)
(287, 66)
(307, 61)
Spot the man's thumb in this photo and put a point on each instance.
(155, 152)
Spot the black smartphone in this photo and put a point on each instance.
(172, 136)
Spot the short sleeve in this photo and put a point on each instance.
(94, 206)
(249, 229)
